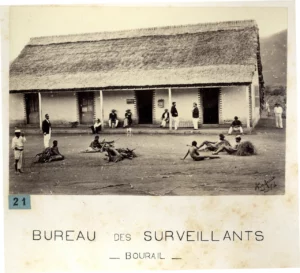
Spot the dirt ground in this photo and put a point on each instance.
(157, 170)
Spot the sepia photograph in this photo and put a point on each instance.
(150, 137)
(178, 101)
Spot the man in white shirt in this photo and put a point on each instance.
(18, 146)
(96, 128)
(278, 115)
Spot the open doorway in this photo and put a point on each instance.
(144, 106)
(32, 108)
(210, 100)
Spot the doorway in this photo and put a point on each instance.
(32, 108)
(210, 100)
(144, 106)
(86, 107)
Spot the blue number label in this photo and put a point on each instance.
(19, 202)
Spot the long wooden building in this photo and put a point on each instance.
(85, 76)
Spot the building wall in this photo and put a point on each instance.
(61, 106)
(184, 103)
(17, 113)
(234, 103)
(255, 99)
(160, 94)
(115, 100)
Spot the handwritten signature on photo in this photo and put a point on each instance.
(267, 185)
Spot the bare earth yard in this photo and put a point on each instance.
(157, 170)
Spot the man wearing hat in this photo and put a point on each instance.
(18, 146)
(236, 125)
(128, 122)
(113, 119)
(46, 127)
(230, 150)
(278, 115)
(174, 114)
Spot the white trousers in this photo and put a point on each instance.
(195, 123)
(110, 123)
(175, 120)
(278, 119)
(235, 129)
(47, 140)
(19, 156)
(163, 123)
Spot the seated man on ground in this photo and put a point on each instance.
(236, 125)
(230, 150)
(94, 147)
(113, 119)
(213, 146)
(165, 118)
(194, 153)
(96, 128)
(55, 155)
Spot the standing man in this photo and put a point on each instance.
(18, 146)
(278, 115)
(195, 116)
(46, 127)
(174, 115)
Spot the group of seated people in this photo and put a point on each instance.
(113, 121)
(222, 145)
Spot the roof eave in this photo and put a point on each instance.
(131, 87)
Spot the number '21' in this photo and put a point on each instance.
(16, 200)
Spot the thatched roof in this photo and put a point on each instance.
(215, 53)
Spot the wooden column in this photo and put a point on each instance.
(40, 109)
(101, 108)
(170, 106)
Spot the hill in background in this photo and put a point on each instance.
(274, 59)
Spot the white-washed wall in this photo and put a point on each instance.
(17, 114)
(184, 103)
(61, 106)
(235, 103)
(255, 106)
(116, 100)
(160, 94)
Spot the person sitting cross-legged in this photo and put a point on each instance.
(236, 125)
(55, 154)
(94, 147)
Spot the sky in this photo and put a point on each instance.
(35, 21)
